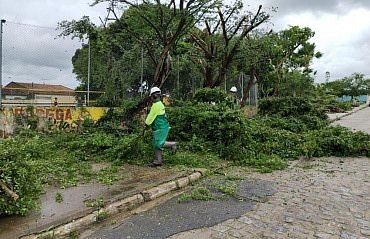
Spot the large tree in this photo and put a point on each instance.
(291, 50)
(115, 58)
(168, 21)
(220, 40)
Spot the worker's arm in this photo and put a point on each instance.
(154, 112)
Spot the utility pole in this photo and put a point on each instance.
(88, 74)
(1, 60)
(142, 72)
(242, 83)
(178, 76)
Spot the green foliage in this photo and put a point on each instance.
(74, 235)
(290, 106)
(194, 160)
(97, 203)
(21, 171)
(28, 162)
(227, 188)
(109, 175)
(101, 216)
(197, 193)
(338, 141)
(286, 129)
(58, 197)
(209, 95)
(272, 141)
(353, 85)
(295, 124)
(131, 148)
(265, 163)
(265, 142)
(337, 106)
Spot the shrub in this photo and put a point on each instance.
(296, 124)
(339, 141)
(208, 95)
(131, 148)
(290, 106)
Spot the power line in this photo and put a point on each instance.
(31, 25)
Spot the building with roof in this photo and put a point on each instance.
(18, 93)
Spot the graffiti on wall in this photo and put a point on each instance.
(46, 118)
(66, 114)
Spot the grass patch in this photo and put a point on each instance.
(265, 163)
(96, 203)
(227, 188)
(109, 175)
(194, 160)
(74, 235)
(233, 178)
(307, 165)
(197, 193)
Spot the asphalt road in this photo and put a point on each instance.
(173, 217)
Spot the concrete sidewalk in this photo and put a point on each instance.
(337, 116)
(357, 121)
(135, 180)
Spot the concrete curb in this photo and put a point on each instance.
(120, 206)
(350, 112)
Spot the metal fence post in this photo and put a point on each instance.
(1, 59)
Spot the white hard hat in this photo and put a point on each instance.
(233, 89)
(154, 90)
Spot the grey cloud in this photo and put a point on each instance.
(23, 72)
(315, 6)
(34, 54)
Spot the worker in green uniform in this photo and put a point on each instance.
(233, 97)
(157, 119)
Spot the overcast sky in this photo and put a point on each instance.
(32, 54)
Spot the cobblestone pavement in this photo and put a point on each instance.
(327, 198)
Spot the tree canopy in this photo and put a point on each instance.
(183, 45)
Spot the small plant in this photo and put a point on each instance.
(227, 188)
(101, 216)
(58, 197)
(48, 235)
(97, 203)
(198, 193)
(74, 235)
(109, 175)
(234, 178)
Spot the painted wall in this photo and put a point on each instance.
(12, 117)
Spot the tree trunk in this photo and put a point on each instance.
(163, 69)
(249, 87)
(8, 191)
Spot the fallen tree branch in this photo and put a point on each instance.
(8, 191)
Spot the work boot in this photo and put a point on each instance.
(171, 145)
(158, 158)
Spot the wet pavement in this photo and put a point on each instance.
(52, 213)
(173, 216)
